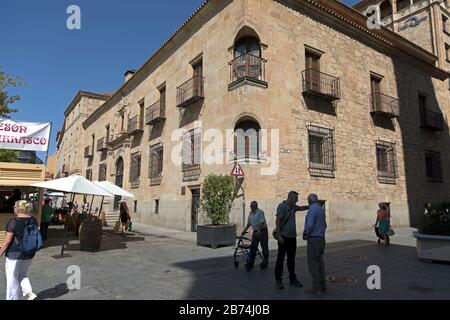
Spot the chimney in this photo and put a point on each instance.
(129, 74)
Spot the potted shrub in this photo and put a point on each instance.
(433, 236)
(215, 207)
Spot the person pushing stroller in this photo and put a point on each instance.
(257, 221)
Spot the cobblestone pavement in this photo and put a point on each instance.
(159, 264)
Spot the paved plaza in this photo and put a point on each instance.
(160, 264)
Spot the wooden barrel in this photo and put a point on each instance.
(91, 233)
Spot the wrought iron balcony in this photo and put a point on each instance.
(101, 145)
(135, 125)
(155, 113)
(432, 120)
(190, 92)
(247, 67)
(88, 152)
(384, 105)
(321, 84)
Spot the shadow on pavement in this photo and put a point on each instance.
(403, 275)
(53, 293)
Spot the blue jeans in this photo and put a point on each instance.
(263, 238)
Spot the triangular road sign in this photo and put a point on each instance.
(237, 171)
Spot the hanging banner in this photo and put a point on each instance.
(24, 136)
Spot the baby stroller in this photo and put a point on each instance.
(243, 246)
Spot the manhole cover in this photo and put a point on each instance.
(361, 258)
(342, 279)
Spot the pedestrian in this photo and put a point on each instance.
(47, 212)
(17, 262)
(257, 221)
(124, 216)
(314, 234)
(286, 227)
(384, 223)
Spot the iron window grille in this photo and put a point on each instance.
(156, 164)
(433, 166)
(135, 169)
(322, 155)
(386, 162)
(89, 174)
(102, 169)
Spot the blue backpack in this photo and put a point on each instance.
(32, 239)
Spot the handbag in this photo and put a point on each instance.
(117, 226)
(277, 232)
(391, 232)
(129, 225)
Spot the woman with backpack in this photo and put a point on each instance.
(18, 253)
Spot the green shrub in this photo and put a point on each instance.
(217, 199)
(437, 221)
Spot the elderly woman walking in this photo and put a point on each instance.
(18, 262)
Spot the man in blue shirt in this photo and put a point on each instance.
(315, 227)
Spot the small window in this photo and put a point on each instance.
(433, 166)
(445, 26)
(386, 162)
(321, 151)
(156, 206)
(447, 52)
(135, 206)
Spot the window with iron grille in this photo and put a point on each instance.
(322, 160)
(156, 164)
(102, 172)
(89, 174)
(386, 162)
(135, 168)
(192, 150)
(433, 166)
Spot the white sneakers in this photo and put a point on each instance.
(31, 296)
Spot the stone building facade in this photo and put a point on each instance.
(305, 97)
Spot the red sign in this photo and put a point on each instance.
(237, 171)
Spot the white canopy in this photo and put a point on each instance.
(74, 184)
(113, 189)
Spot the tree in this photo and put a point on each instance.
(217, 199)
(5, 110)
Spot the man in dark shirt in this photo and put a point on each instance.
(287, 242)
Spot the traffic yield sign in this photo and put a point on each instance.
(237, 171)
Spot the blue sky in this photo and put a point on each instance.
(116, 35)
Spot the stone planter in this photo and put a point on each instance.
(215, 236)
(432, 248)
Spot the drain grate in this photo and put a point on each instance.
(360, 258)
(342, 280)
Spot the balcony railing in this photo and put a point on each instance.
(385, 105)
(190, 91)
(135, 125)
(321, 84)
(88, 152)
(155, 113)
(101, 145)
(432, 120)
(248, 67)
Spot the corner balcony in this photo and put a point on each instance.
(135, 125)
(101, 145)
(247, 69)
(155, 113)
(321, 84)
(191, 91)
(385, 105)
(431, 120)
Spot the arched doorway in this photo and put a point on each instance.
(119, 181)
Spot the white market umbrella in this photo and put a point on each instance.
(74, 184)
(113, 189)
